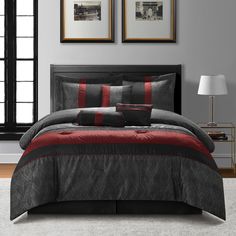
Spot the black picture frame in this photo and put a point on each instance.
(109, 39)
(172, 39)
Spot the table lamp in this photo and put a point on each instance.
(212, 85)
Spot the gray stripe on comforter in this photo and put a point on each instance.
(55, 179)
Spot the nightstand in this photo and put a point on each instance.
(229, 130)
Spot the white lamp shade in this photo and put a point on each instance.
(212, 85)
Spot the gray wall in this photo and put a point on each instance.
(206, 45)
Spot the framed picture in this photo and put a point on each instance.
(87, 21)
(149, 21)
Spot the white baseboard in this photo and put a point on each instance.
(223, 160)
(9, 158)
(221, 155)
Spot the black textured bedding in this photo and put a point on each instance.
(167, 161)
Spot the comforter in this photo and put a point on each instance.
(167, 161)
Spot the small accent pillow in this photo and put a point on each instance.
(136, 114)
(81, 95)
(111, 95)
(156, 90)
(99, 118)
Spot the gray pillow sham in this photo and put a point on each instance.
(155, 90)
(81, 95)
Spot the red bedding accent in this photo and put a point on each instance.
(117, 137)
(98, 119)
(106, 96)
(82, 95)
(148, 93)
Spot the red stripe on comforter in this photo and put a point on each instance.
(117, 137)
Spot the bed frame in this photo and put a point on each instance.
(61, 72)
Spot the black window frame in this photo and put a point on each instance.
(10, 130)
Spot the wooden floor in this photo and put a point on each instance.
(6, 171)
(228, 173)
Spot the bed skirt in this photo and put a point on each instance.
(116, 207)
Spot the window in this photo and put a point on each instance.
(18, 66)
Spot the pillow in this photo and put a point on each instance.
(99, 118)
(136, 114)
(111, 95)
(81, 95)
(156, 90)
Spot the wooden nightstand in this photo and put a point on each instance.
(229, 130)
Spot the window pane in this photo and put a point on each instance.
(24, 92)
(25, 26)
(2, 26)
(2, 94)
(24, 112)
(2, 71)
(1, 7)
(25, 48)
(2, 113)
(25, 7)
(25, 71)
(1, 47)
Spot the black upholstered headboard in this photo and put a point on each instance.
(60, 72)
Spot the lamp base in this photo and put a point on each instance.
(212, 124)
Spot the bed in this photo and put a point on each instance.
(164, 167)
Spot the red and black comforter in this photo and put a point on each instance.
(168, 161)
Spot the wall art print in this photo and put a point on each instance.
(87, 21)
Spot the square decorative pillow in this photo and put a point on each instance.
(156, 90)
(136, 114)
(81, 95)
(111, 95)
(99, 118)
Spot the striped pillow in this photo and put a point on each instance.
(111, 95)
(155, 90)
(99, 118)
(81, 95)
